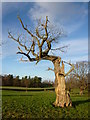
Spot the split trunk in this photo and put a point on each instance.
(62, 96)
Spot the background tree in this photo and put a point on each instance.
(36, 81)
(26, 82)
(16, 81)
(69, 83)
(38, 47)
(81, 74)
(47, 83)
(7, 80)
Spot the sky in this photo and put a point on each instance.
(71, 16)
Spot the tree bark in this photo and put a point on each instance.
(81, 90)
(62, 96)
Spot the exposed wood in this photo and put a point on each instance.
(62, 96)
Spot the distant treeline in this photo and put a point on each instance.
(78, 78)
(10, 80)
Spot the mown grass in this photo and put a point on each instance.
(38, 104)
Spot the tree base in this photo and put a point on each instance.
(62, 105)
(63, 101)
(81, 92)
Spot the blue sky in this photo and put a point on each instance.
(72, 17)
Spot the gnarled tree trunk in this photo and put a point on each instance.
(62, 96)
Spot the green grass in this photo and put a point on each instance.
(21, 104)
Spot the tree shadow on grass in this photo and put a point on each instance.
(75, 103)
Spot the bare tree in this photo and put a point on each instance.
(40, 45)
(81, 74)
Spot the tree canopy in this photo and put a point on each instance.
(38, 46)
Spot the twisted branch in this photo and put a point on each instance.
(43, 54)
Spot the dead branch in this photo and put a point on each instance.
(38, 40)
(70, 69)
(50, 69)
(23, 60)
(60, 48)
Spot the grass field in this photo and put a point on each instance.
(38, 104)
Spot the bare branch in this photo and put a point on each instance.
(17, 40)
(30, 59)
(46, 32)
(60, 48)
(53, 39)
(47, 50)
(23, 45)
(70, 69)
(23, 60)
(44, 38)
(37, 33)
(76, 75)
(20, 49)
(38, 42)
(50, 69)
(25, 28)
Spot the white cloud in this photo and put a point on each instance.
(61, 13)
(78, 46)
(81, 58)
(78, 50)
